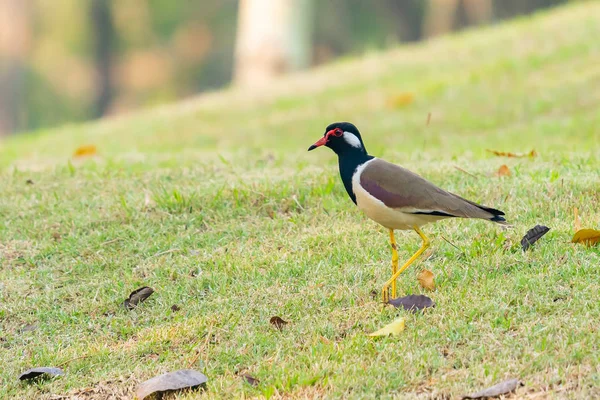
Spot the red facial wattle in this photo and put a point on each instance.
(337, 132)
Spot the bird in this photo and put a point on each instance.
(393, 196)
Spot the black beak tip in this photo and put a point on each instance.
(312, 147)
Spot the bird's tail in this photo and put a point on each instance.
(497, 215)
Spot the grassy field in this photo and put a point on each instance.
(216, 204)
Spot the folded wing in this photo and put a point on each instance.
(406, 191)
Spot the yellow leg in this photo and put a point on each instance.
(394, 260)
(392, 281)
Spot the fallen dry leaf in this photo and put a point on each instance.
(85, 151)
(531, 154)
(505, 387)
(252, 381)
(589, 237)
(413, 302)
(503, 171)
(177, 380)
(175, 308)
(426, 279)
(533, 235)
(137, 296)
(400, 100)
(28, 328)
(278, 322)
(393, 328)
(577, 223)
(29, 182)
(41, 373)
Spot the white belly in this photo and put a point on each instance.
(390, 218)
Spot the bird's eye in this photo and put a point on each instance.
(338, 132)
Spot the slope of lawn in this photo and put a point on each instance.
(216, 204)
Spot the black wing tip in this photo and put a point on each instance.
(499, 219)
(497, 215)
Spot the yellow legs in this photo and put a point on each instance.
(395, 271)
(394, 264)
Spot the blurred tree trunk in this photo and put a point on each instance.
(273, 37)
(15, 39)
(478, 11)
(442, 15)
(103, 37)
(439, 17)
(407, 17)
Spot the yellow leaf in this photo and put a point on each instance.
(393, 329)
(400, 100)
(87, 150)
(577, 223)
(588, 237)
(426, 280)
(531, 154)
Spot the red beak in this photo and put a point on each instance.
(318, 143)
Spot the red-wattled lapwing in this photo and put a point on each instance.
(394, 196)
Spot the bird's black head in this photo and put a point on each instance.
(342, 138)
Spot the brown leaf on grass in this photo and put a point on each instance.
(85, 151)
(29, 182)
(41, 373)
(531, 154)
(589, 237)
(137, 296)
(426, 279)
(393, 328)
(252, 381)
(505, 387)
(400, 100)
(577, 223)
(278, 322)
(503, 171)
(413, 302)
(171, 381)
(28, 328)
(175, 308)
(533, 235)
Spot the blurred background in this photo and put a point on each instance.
(74, 60)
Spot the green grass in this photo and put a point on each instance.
(216, 204)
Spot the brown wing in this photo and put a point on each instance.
(402, 189)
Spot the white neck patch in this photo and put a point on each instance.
(352, 140)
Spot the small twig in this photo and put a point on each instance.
(452, 244)
(110, 241)
(96, 296)
(162, 253)
(297, 202)
(202, 348)
(428, 118)
(73, 359)
(466, 172)
(428, 254)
